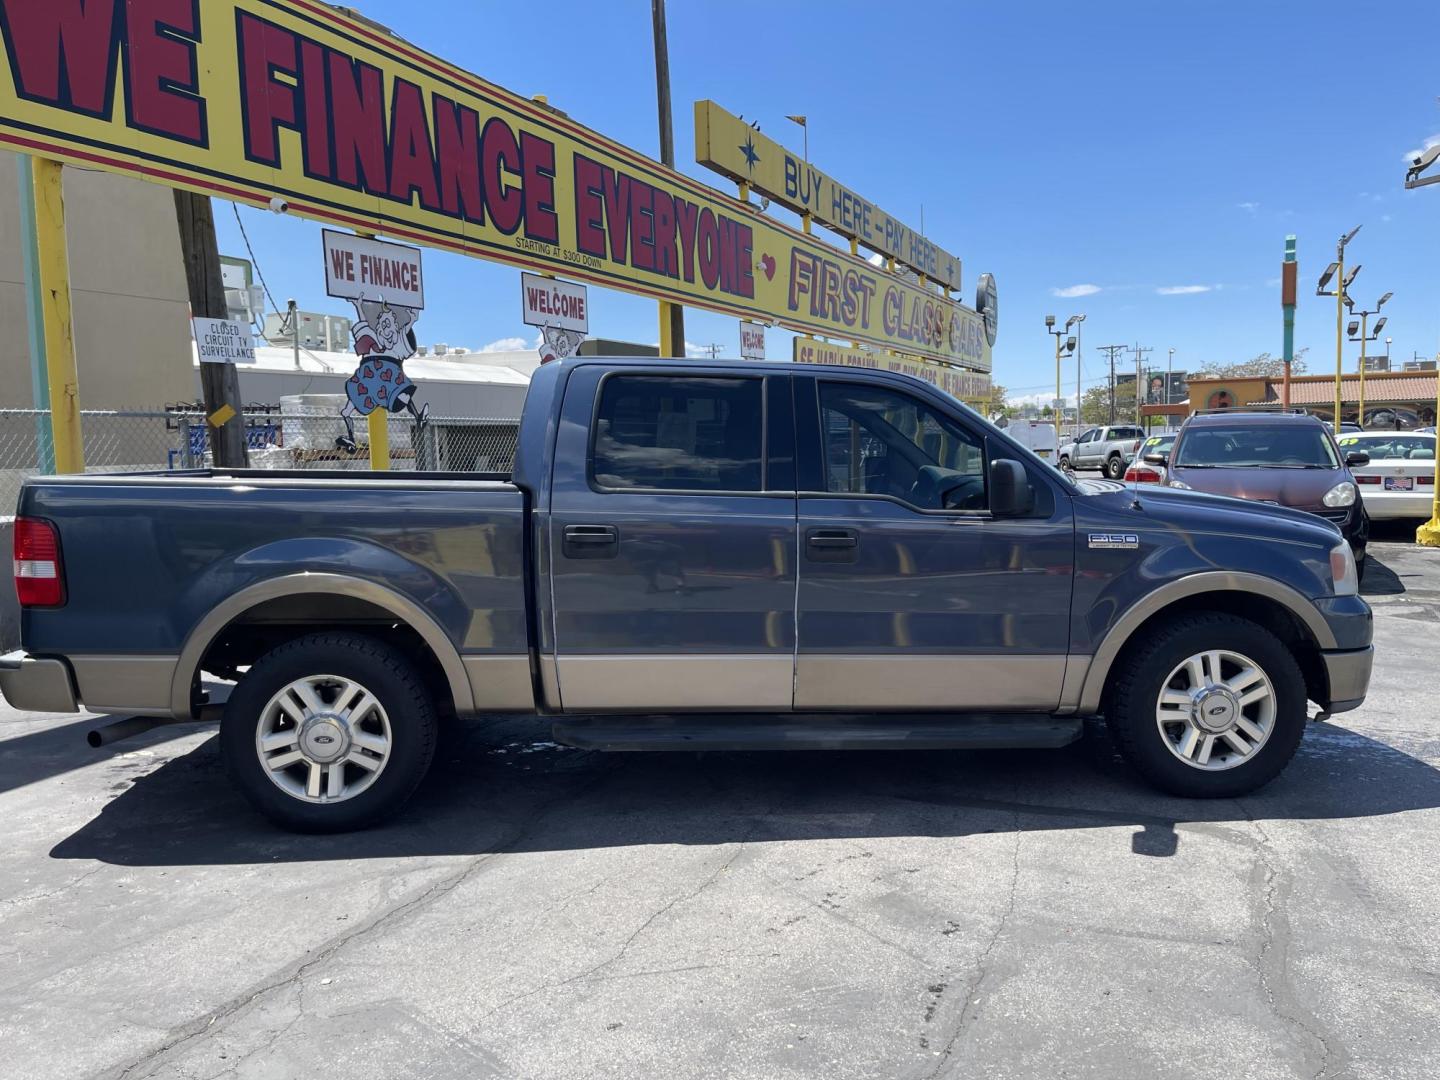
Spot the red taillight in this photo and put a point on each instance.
(1141, 476)
(39, 577)
(1424, 481)
(1367, 479)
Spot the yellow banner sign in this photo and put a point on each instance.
(965, 385)
(295, 105)
(728, 145)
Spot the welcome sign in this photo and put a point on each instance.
(292, 100)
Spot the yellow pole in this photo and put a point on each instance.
(1429, 533)
(1339, 330)
(378, 422)
(54, 267)
(667, 335)
(1364, 329)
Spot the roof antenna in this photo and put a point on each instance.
(1135, 484)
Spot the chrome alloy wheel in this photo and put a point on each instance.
(1216, 710)
(323, 739)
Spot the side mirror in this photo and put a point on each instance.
(1356, 458)
(1159, 457)
(1010, 491)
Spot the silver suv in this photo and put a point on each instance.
(1108, 448)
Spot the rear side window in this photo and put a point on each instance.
(668, 433)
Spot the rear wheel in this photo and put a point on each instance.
(1209, 706)
(1115, 467)
(329, 732)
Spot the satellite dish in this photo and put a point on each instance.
(987, 303)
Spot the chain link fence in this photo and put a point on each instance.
(176, 439)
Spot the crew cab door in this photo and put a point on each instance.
(1085, 447)
(910, 599)
(671, 541)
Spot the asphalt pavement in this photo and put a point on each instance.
(542, 912)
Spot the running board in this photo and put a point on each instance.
(900, 731)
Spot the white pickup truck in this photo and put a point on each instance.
(1110, 449)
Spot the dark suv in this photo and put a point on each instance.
(1288, 459)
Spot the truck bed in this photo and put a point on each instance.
(149, 557)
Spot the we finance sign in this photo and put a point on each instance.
(296, 101)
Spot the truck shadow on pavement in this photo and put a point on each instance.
(503, 787)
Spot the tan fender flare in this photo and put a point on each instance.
(404, 610)
(1215, 581)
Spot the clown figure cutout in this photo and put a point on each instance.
(384, 340)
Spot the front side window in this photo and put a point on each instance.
(1089, 436)
(879, 441)
(665, 433)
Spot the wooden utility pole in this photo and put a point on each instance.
(672, 315)
(220, 383)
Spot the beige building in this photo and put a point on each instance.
(131, 308)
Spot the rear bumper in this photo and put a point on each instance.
(36, 685)
(1348, 677)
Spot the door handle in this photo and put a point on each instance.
(831, 545)
(591, 541)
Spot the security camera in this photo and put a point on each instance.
(279, 205)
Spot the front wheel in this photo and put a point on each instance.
(329, 732)
(1115, 467)
(1208, 706)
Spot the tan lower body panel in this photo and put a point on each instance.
(677, 683)
(500, 683)
(900, 683)
(138, 685)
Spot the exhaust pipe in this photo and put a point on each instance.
(131, 726)
(122, 729)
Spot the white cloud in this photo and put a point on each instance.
(1386, 217)
(1182, 290)
(1248, 207)
(1071, 291)
(1272, 283)
(1411, 155)
(507, 344)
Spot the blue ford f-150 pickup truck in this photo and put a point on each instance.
(689, 555)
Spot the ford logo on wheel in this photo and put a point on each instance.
(324, 740)
(1216, 711)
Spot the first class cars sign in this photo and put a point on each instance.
(296, 105)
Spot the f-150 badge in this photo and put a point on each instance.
(1114, 540)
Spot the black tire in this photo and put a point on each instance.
(1114, 466)
(1139, 677)
(1065, 462)
(382, 670)
(1361, 561)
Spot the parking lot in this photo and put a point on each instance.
(546, 912)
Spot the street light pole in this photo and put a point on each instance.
(1365, 336)
(1169, 379)
(1078, 322)
(1059, 336)
(1429, 533)
(1336, 270)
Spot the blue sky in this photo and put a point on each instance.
(1156, 152)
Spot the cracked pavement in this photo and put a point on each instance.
(540, 912)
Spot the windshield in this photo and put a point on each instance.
(1248, 446)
